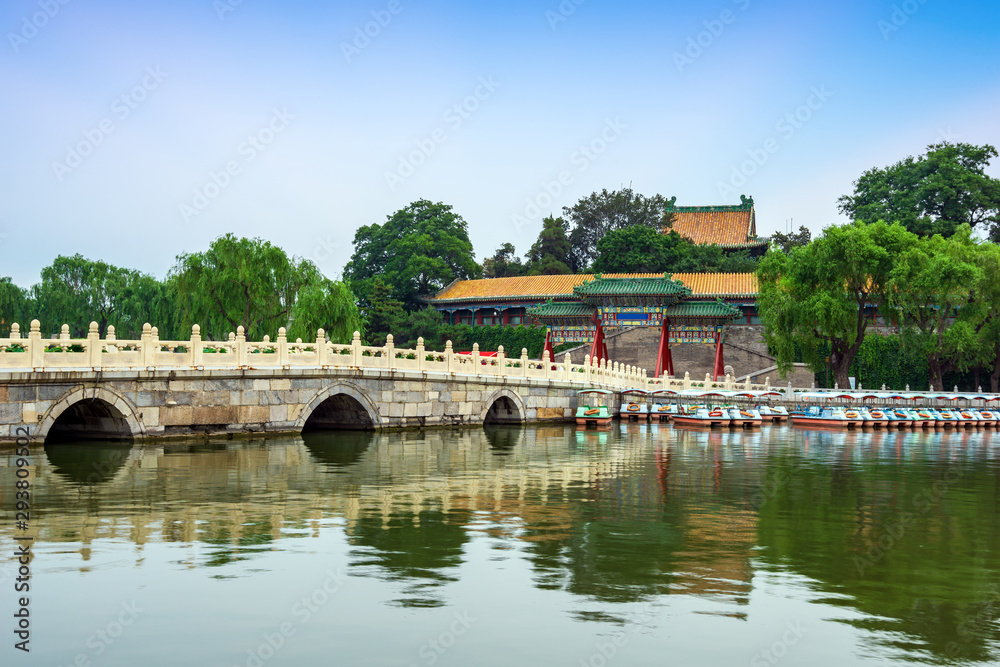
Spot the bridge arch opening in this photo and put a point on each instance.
(90, 419)
(339, 412)
(504, 409)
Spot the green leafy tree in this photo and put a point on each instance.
(504, 263)
(383, 314)
(77, 291)
(640, 249)
(934, 291)
(816, 298)
(13, 306)
(418, 250)
(253, 284)
(698, 258)
(550, 254)
(601, 212)
(792, 239)
(931, 194)
(329, 305)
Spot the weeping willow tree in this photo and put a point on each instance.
(251, 283)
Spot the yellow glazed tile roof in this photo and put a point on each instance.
(544, 287)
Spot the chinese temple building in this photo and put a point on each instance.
(729, 227)
(687, 308)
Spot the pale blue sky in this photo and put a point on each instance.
(162, 95)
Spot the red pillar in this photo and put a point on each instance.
(719, 363)
(599, 349)
(506, 317)
(664, 360)
(548, 345)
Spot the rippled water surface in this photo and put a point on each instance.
(645, 545)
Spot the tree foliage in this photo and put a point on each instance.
(792, 239)
(13, 306)
(253, 284)
(504, 263)
(641, 249)
(601, 212)
(77, 291)
(931, 194)
(551, 253)
(820, 293)
(418, 250)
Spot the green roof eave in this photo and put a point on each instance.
(704, 309)
(631, 287)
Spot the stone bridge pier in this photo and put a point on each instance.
(138, 404)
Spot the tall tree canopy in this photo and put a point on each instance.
(931, 194)
(815, 297)
(639, 249)
(13, 306)
(550, 254)
(601, 212)
(504, 263)
(792, 239)
(253, 284)
(417, 251)
(77, 291)
(936, 291)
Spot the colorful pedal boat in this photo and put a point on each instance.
(703, 417)
(835, 417)
(774, 414)
(739, 417)
(630, 411)
(590, 411)
(876, 418)
(663, 412)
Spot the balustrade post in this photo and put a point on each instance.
(524, 362)
(15, 331)
(241, 347)
(687, 379)
(390, 351)
(145, 345)
(449, 357)
(356, 356)
(420, 353)
(586, 366)
(321, 352)
(94, 347)
(197, 349)
(475, 358)
(546, 363)
(568, 360)
(35, 347)
(500, 360)
(64, 333)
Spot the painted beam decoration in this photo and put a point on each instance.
(699, 334)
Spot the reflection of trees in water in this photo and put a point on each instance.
(90, 464)
(418, 549)
(912, 543)
(503, 439)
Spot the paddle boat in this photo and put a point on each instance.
(947, 419)
(702, 416)
(632, 408)
(899, 418)
(591, 410)
(968, 418)
(771, 413)
(661, 410)
(744, 417)
(989, 417)
(832, 417)
(875, 418)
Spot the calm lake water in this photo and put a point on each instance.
(645, 545)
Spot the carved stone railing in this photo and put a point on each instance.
(34, 353)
